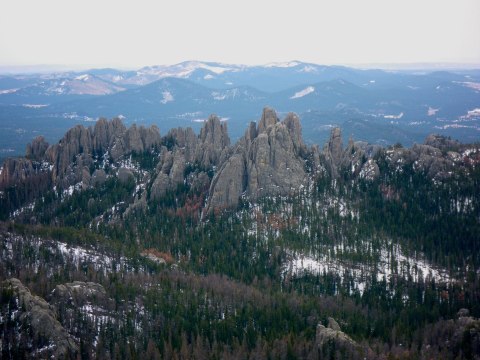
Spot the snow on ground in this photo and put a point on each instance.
(167, 97)
(8, 91)
(83, 77)
(308, 69)
(471, 85)
(71, 189)
(399, 116)
(474, 112)
(390, 264)
(286, 64)
(28, 207)
(218, 95)
(79, 256)
(34, 106)
(303, 92)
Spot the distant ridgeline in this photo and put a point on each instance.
(190, 243)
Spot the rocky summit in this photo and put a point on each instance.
(270, 159)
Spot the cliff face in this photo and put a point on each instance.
(268, 160)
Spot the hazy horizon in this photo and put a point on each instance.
(59, 68)
(126, 35)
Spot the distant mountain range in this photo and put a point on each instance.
(373, 105)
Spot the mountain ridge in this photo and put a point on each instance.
(267, 149)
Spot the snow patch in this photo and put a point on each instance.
(167, 97)
(399, 116)
(34, 106)
(286, 64)
(84, 77)
(8, 91)
(304, 92)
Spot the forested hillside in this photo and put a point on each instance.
(130, 244)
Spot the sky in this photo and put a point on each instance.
(132, 34)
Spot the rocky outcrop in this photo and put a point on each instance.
(29, 177)
(352, 160)
(36, 149)
(333, 152)
(125, 175)
(183, 148)
(79, 294)
(332, 341)
(171, 169)
(268, 160)
(459, 338)
(75, 151)
(441, 142)
(435, 162)
(16, 170)
(229, 183)
(98, 177)
(212, 142)
(41, 318)
(430, 160)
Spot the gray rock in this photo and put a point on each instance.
(333, 152)
(125, 175)
(205, 151)
(229, 183)
(463, 313)
(42, 319)
(212, 141)
(15, 170)
(333, 324)
(441, 142)
(171, 172)
(150, 137)
(329, 339)
(133, 140)
(98, 178)
(369, 170)
(110, 137)
(80, 293)
(36, 149)
(269, 118)
(268, 160)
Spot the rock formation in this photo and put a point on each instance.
(212, 142)
(79, 294)
(75, 151)
(36, 149)
(182, 147)
(332, 341)
(40, 316)
(268, 160)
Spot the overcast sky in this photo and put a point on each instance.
(131, 34)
